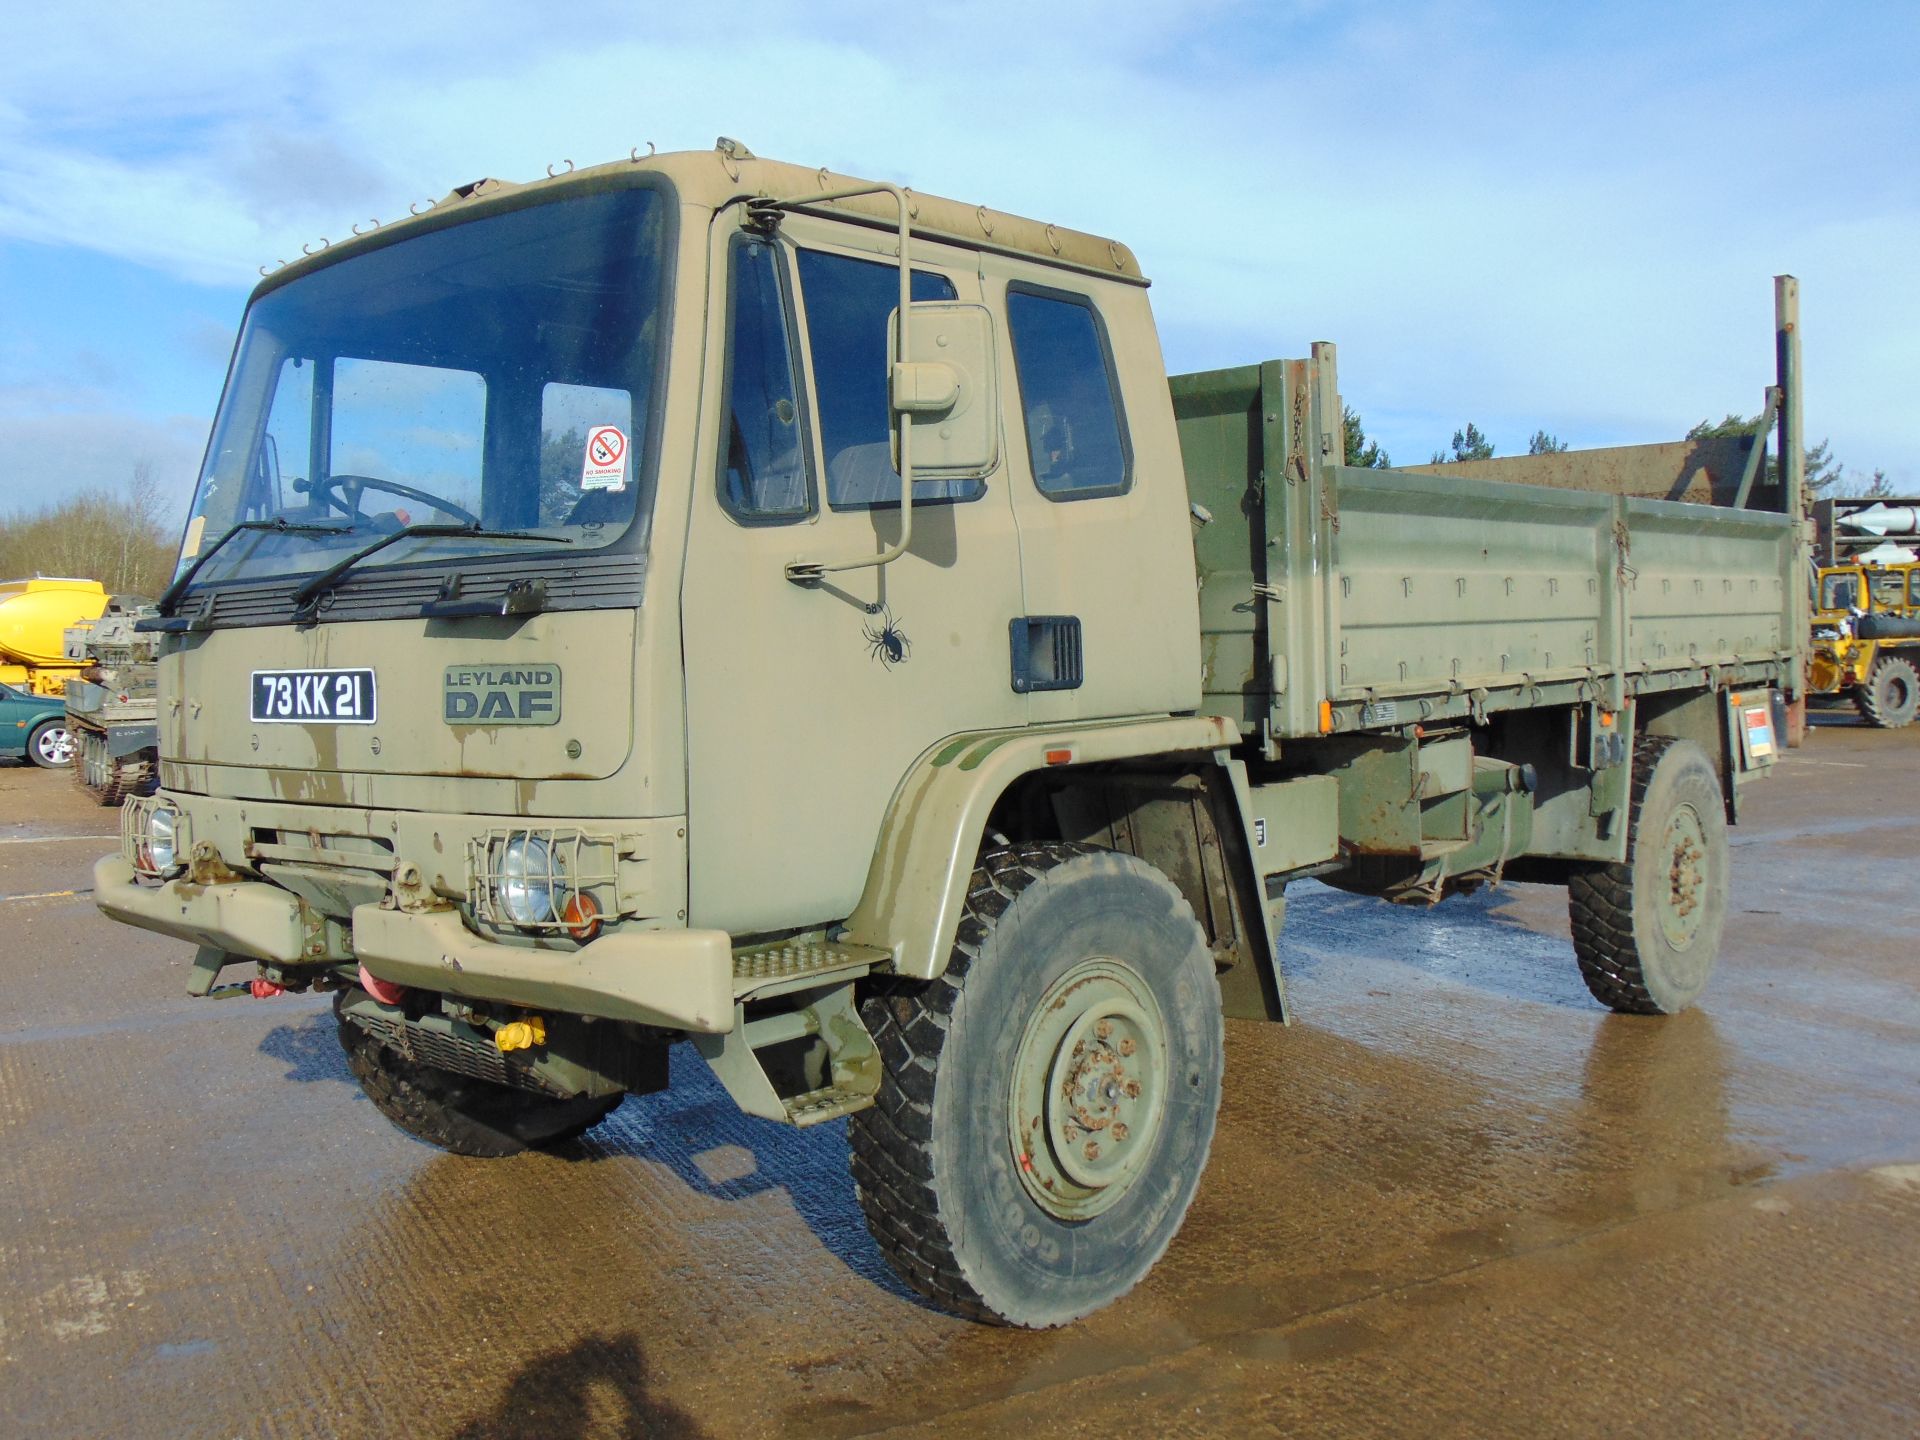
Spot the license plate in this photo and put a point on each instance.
(310, 697)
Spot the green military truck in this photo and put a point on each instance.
(559, 670)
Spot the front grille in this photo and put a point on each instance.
(472, 1058)
(588, 583)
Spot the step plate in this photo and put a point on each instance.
(798, 965)
(816, 1107)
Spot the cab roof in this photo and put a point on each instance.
(710, 179)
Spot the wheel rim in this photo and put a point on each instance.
(1089, 1089)
(55, 745)
(1682, 900)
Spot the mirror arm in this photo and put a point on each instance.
(807, 572)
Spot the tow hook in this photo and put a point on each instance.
(264, 989)
(521, 1034)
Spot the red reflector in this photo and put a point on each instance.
(1059, 757)
(385, 991)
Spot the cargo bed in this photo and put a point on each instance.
(1335, 598)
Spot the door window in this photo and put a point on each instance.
(848, 302)
(1067, 395)
(763, 472)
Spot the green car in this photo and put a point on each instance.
(34, 726)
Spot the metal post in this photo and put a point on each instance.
(1786, 339)
(1793, 473)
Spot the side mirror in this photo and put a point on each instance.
(948, 386)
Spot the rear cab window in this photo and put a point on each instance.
(1069, 400)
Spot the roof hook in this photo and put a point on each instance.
(567, 171)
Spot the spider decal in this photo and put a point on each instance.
(886, 641)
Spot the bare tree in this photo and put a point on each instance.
(120, 539)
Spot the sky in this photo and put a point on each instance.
(1527, 215)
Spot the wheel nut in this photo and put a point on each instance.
(1120, 1131)
(1092, 1152)
(1126, 1046)
(1103, 1029)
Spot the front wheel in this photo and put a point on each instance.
(1891, 696)
(1047, 1105)
(1646, 932)
(454, 1112)
(50, 745)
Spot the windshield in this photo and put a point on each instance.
(496, 374)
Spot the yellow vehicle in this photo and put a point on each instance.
(34, 616)
(1866, 640)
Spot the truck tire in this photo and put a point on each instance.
(466, 1116)
(51, 744)
(1075, 972)
(1646, 932)
(1891, 696)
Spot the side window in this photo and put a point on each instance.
(848, 302)
(575, 488)
(1913, 590)
(1067, 395)
(1887, 589)
(763, 472)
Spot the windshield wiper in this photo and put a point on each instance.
(177, 591)
(306, 598)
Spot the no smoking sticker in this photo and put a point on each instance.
(605, 466)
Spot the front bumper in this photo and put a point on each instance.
(678, 979)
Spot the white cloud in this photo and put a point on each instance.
(1530, 219)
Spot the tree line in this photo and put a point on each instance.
(122, 538)
(1470, 443)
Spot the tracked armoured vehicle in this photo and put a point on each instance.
(112, 713)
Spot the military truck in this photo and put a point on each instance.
(111, 708)
(1866, 640)
(561, 669)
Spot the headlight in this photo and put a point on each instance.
(527, 881)
(160, 846)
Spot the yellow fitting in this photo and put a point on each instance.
(521, 1035)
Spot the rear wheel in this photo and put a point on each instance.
(1647, 932)
(1047, 1105)
(466, 1116)
(1891, 696)
(50, 745)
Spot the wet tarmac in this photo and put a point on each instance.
(1457, 1198)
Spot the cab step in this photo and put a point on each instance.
(816, 1107)
(797, 992)
(762, 971)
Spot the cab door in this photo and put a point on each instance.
(806, 704)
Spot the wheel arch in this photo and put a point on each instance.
(940, 815)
